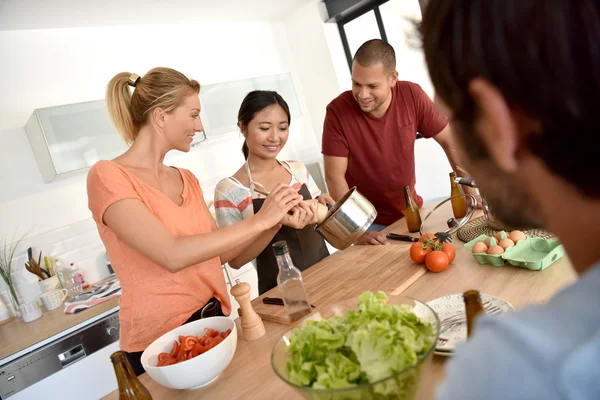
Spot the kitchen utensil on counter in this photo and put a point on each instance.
(347, 220)
(30, 311)
(277, 301)
(49, 284)
(252, 324)
(400, 385)
(200, 370)
(453, 306)
(54, 298)
(404, 238)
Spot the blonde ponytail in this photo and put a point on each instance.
(118, 102)
(130, 107)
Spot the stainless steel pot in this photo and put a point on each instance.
(347, 220)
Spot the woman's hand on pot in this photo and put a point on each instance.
(277, 205)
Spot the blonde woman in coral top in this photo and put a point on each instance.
(159, 235)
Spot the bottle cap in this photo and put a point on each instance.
(280, 248)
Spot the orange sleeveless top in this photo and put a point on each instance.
(154, 300)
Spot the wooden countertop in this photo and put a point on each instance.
(348, 273)
(17, 335)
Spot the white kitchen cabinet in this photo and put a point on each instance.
(70, 138)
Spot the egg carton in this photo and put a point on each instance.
(535, 254)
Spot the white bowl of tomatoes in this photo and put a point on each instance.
(192, 355)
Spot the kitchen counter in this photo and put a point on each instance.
(346, 274)
(17, 336)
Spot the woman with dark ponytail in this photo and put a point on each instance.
(264, 120)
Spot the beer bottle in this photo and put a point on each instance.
(474, 307)
(459, 204)
(411, 212)
(130, 387)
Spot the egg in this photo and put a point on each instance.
(479, 247)
(487, 242)
(506, 243)
(495, 250)
(515, 236)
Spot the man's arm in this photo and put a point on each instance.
(335, 176)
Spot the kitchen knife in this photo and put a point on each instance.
(277, 301)
(404, 238)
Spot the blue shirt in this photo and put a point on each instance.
(547, 352)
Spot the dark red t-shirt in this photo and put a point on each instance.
(380, 151)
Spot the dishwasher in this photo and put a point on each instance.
(75, 365)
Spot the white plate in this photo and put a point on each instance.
(451, 305)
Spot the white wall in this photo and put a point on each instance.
(314, 61)
(43, 68)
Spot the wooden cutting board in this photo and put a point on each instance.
(360, 268)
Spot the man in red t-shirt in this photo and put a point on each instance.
(369, 135)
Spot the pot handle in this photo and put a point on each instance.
(466, 181)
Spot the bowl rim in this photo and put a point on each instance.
(164, 367)
(364, 385)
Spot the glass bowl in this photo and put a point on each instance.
(402, 385)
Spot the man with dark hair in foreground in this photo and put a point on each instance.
(520, 83)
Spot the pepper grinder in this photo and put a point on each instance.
(252, 324)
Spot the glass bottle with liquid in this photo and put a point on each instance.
(474, 307)
(130, 387)
(289, 280)
(459, 204)
(411, 212)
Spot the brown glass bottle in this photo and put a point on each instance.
(459, 204)
(130, 387)
(474, 307)
(411, 212)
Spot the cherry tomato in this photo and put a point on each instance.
(210, 332)
(426, 236)
(189, 342)
(437, 261)
(175, 349)
(449, 250)
(418, 253)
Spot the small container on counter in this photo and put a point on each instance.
(30, 311)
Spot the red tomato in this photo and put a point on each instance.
(426, 236)
(418, 253)
(226, 333)
(198, 349)
(163, 356)
(210, 332)
(437, 261)
(189, 342)
(175, 349)
(170, 361)
(449, 250)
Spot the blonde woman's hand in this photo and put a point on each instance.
(277, 205)
(302, 215)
